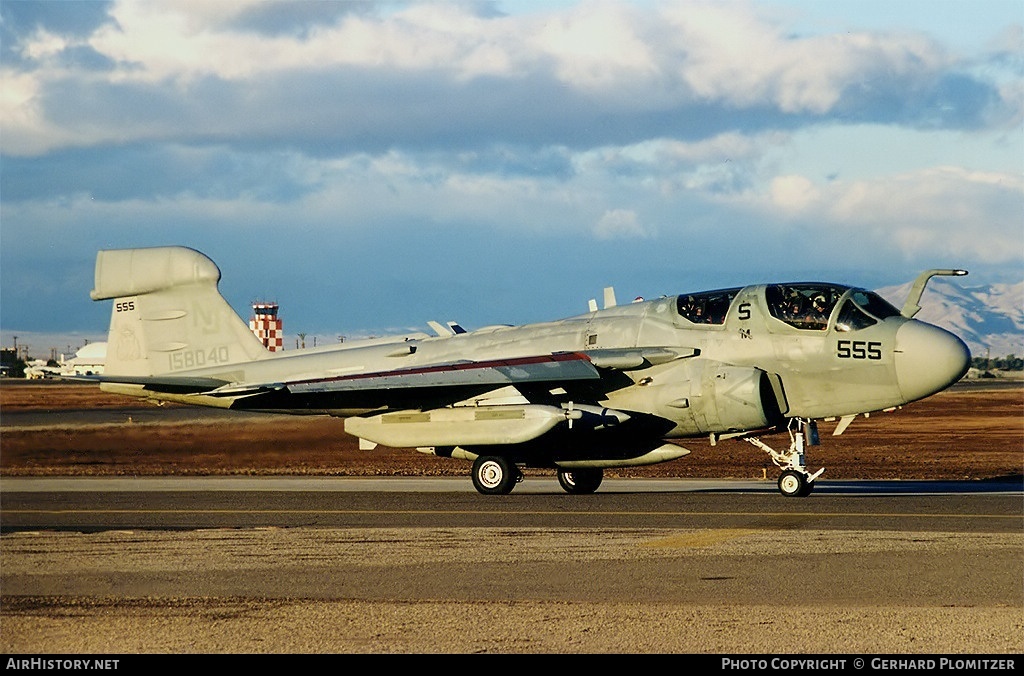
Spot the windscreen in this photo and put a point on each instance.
(804, 306)
(710, 307)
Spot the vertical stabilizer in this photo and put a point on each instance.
(168, 315)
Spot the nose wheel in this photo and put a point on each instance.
(795, 481)
(794, 484)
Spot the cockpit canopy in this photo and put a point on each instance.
(861, 309)
(710, 307)
(805, 306)
(809, 306)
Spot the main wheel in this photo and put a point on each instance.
(794, 484)
(494, 475)
(580, 481)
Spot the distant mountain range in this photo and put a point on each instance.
(990, 319)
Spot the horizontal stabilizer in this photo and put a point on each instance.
(133, 272)
(175, 384)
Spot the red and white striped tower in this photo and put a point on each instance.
(267, 326)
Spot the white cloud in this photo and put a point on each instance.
(734, 55)
(793, 194)
(945, 211)
(597, 47)
(182, 40)
(26, 131)
(673, 153)
(616, 56)
(43, 45)
(620, 224)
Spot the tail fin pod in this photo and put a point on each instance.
(168, 314)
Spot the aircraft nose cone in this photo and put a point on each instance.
(928, 359)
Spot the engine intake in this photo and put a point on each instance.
(703, 396)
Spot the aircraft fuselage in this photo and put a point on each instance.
(596, 390)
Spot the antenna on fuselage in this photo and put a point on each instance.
(609, 300)
(609, 297)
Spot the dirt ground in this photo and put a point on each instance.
(965, 433)
(968, 432)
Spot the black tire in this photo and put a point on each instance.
(794, 484)
(494, 475)
(580, 481)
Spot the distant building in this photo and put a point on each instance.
(267, 326)
(10, 363)
(87, 361)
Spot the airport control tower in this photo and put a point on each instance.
(266, 324)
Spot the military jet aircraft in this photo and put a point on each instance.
(608, 388)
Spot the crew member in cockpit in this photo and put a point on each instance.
(793, 306)
(817, 314)
(692, 309)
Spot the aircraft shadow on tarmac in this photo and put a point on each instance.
(1005, 484)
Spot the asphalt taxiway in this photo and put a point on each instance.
(293, 564)
(97, 503)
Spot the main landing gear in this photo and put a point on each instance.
(580, 481)
(795, 481)
(495, 475)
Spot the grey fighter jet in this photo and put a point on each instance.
(609, 388)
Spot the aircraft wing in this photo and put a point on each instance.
(497, 373)
(424, 386)
(560, 367)
(429, 385)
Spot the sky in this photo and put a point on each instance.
(372, 166)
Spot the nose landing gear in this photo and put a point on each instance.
(795, 481)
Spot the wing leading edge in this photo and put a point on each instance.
(449, 380)
(559, 367)
(378, 387)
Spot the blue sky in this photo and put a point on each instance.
(372, 166)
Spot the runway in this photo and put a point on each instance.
(99, 503)
(291, 564)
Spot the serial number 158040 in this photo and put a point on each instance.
(190, 359)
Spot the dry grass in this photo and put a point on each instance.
(959, 434)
